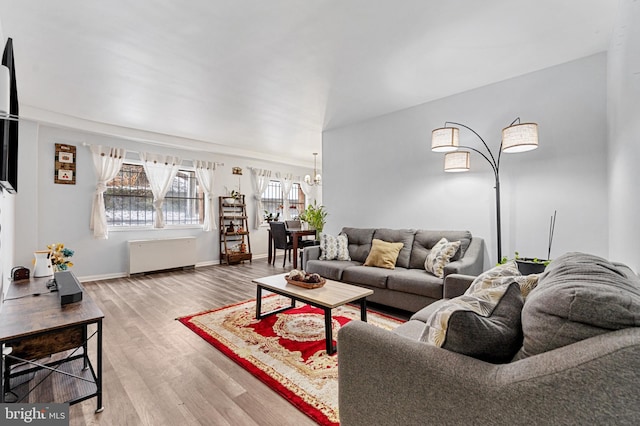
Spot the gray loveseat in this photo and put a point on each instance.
(409, 286)
(579, 362)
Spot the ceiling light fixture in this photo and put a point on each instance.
(317, 179)
(519, 137)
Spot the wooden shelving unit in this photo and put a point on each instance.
(235, 244)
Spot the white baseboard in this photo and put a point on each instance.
(88, 278)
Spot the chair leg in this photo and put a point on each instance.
(284, 258)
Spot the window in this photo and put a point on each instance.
(273, 203)
(129, 200)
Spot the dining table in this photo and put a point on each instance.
(294, 234)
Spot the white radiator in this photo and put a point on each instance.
(155, 255)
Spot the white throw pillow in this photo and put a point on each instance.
(334, 247)
(440, 255)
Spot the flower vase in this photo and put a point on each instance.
(42, 264)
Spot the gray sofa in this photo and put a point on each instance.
(579, 362)
(409, 286)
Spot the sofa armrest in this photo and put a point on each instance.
(388, 379)
(310, 253)
(456, 284)
(471, 263)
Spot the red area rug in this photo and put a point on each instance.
(286, 351)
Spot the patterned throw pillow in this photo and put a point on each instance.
(440, 255)
(504, 274)
(334, 247)
(383, 254)
(485, 325)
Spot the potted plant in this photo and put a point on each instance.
(528, 265)
(270, 217)
(533, 265)
(316, 217)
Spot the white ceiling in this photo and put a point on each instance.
(269, 76)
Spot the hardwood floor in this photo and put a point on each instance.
(158, 372)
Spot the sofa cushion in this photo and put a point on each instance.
(359, 242)
(426, 312)
(334, 247)
(404, 236)
(415, 281)
(440, 255)
(332, 270)
(578, 296)
(423, 242)
(410, 329)
(485, 325)
(365, 275)
(383, 254)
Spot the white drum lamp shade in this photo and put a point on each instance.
(5, 89)
(520, 138)
(445, 139)
(457, 161)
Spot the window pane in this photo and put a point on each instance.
(272, 200)
(129, 200)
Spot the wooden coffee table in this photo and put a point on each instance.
(332, 295)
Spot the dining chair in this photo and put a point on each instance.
(296, 225)
(293, 224)
(280, 241)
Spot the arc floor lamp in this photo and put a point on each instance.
(518, 137)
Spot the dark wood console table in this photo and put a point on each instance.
(34, 325)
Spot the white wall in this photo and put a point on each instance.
(624, 146)
(49, 213)
(382, 173)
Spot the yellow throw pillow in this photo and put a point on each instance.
(383, 254)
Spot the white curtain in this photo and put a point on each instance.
(107, 162)
(206, 173)
(286, 183)
(259, 182)
(160, 170)
(306, 190)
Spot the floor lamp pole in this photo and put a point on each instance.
(495, 166)
(498, 224)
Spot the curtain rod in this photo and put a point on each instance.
(217, 163)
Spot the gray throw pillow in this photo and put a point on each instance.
(485, 325)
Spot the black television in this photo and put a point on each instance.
(9, 128)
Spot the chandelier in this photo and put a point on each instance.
(317, 179)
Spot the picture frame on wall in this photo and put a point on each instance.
(65, 164)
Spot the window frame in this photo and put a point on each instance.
(148, 226)
(278, 202)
